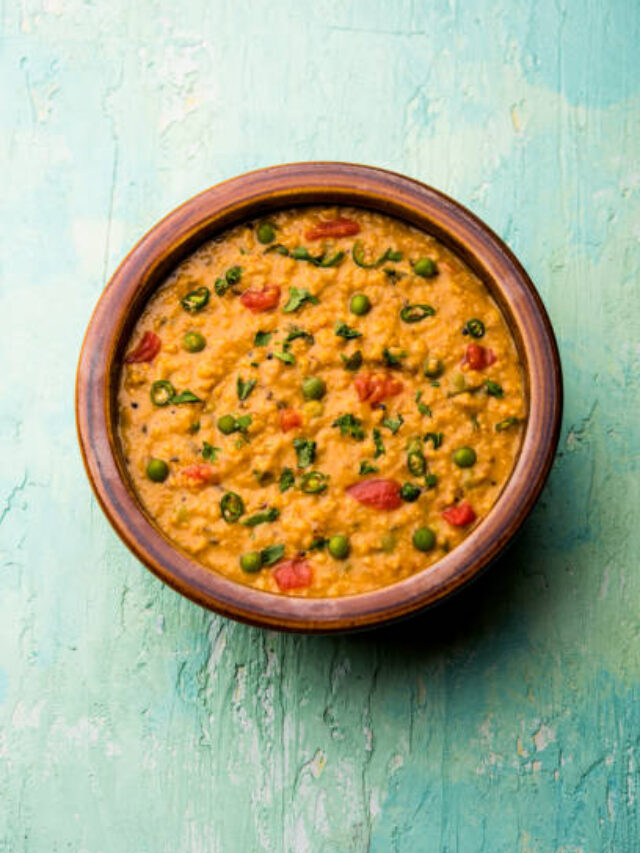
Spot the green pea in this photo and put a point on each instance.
(314, 388)
(157, 470)
(339, 547)
(194, 342)
(425, 267)
(360, 304)
(266, 233)
(433, 368)
(424, 539)
(251, 562)
(227, 424)
(464, 457)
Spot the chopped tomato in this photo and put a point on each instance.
(377, 493)
(373, 388)
(340, 227)
(200, 474)
(478, 357)
(261, 300)
(147, 349)
(289, 419)
(293, 574)
(460, 515)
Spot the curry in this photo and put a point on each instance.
(320, 403)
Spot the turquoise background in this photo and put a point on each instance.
(131, 720)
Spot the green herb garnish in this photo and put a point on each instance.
(346, 332)
(209, 452)
(245, 388)
(493, 388)
(392, 360)
(352, 362)
(262, 338)
(379, 444)
(271, 554)
(296, 332)
(271, 514)
(349, 425)
(287, 479)
(299, 296)
(367, 468)
(393, 424)
(305, 451)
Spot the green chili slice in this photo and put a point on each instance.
(415, 313)
(196, 300)
(507, 423)
(357, 253)
(314, 482)
(162, 392)
(474, 327)
(231, 507)
(416, 463)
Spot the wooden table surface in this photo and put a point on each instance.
(131, 721)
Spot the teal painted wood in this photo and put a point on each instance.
(131, 720)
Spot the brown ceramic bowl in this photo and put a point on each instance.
(248, 197)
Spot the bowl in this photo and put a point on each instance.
(248, 197)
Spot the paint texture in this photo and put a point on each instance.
(131, 720)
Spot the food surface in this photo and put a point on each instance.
(320, 403)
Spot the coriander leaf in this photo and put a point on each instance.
(299, 296)
(262, 338)
(367, 468)
(271, 554)
(352, 362)
(379, 445)
(285, 356)
(305, 451)
(493, 388)
(391, 359)
(185, 397)
(318, 543)
(263, 477)
(422, 407)
(287, 479)
(209, 452)
(430, 481)
(243, 423)
(393, 424)
(244, 388)
(233, 275)
(346, 332)
(349, 425)
(271, 514)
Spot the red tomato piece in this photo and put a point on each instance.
(374, 388)
(289, 419)
(478, 357)
(293, 574)
(340, 227)
(200, 474)
(261, 300)
(460, 515)
(377, 493)
(147, 349)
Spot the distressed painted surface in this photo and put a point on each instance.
(131, 720)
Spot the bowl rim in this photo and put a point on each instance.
(243, 198)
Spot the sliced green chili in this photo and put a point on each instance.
(474, 327)
(231, 507)
(416, 463)
(409, 492)
(314, 482)
(162, 392)
(507, 423)
(417, 312)
(493, 388)
(196, 300)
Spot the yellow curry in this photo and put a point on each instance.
(320, 403)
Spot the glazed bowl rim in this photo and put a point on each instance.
(243, 198)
